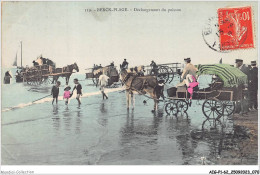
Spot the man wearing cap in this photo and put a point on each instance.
(253, 85)
(244, 99)
(188, 71)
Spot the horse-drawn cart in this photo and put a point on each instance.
(219, 99)
(45, 74)
(110, 71)
(164, 71)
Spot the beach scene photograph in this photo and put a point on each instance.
(129, 83)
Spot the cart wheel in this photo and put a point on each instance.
(171, 108)
(182, 106)
(171, 74)
(211, 107)
(228, 108)
(163, 74)
(212, 124)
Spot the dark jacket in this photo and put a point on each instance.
(245, 70)
(55, 91)
(125, 64)
(253, 76)
(78, 87)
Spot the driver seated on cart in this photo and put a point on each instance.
(189, 76)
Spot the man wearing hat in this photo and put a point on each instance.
(244, 99)
(188, 71)
(253, 85)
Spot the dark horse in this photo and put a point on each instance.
(65, 72)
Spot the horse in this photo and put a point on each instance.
(141, 84)
(68, 69)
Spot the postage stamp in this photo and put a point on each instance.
(235, 28)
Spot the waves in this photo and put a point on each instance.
(49, 99)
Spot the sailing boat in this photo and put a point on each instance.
(15, 63)
(18, 76)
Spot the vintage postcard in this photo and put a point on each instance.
(129, 83)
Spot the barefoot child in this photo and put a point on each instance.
(67, 94)
(78, 88)
(55, 92)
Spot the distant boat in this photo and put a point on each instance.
(18, 76)
(15, 63)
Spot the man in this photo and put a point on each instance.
(55, 92)
(242, 67)
(189, 71)
(244, 97)
(253, 86)
(160, 88)
(124, 64)
(103, 79)
(78, 88)
(154, 68)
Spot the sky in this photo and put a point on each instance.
(66, 33)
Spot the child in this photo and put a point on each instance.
(67, 94)
(55, 92)
(78, 88)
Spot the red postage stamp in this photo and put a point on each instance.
(235, 28)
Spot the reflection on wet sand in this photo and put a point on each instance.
(67, 115)
(78, 122)
(102, 118)
(56, 118)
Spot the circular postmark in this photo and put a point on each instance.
(211, 34)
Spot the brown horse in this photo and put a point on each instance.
(141, 84)
(66, 72)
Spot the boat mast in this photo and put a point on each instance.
(21, 54)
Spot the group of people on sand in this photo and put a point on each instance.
(250, 101)
(67, 94)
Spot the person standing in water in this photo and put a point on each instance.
(103, 79)
(67, 94)
(55, 92)
(78, 87)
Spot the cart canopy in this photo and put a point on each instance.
(231, 76)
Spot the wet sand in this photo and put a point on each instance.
(104, 132)
(246, 150)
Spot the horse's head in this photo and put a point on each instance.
(75, 66)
